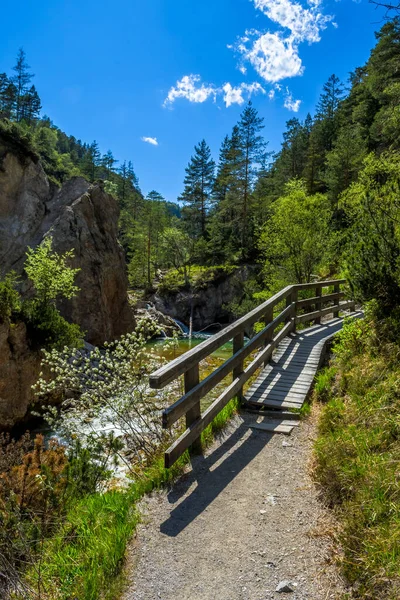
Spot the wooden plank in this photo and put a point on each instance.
(284, 385)
(318, 305)
(327, 298)
(172, 370)
(238, 342)
(281, 421)
(191, 380)
(177, 367)
(288, 391)
(194, 431)
(320, 313)
(273, 428)
(322, 284)
(276, 394)
(273, 414)
(274, 403)
(179, 408)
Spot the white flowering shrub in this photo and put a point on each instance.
(105, 396)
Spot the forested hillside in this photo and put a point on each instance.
(299, 213)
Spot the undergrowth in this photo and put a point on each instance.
(358, 455)
(85, 558)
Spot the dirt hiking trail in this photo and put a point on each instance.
(242, 520)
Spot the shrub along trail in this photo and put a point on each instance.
(238, 523)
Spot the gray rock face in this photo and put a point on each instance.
(209, 305)
(78, 216)
(19, 370)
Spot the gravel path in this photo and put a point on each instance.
(243, 519)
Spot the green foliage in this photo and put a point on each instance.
(10, 300)
(48, 329)
(373, 239)
(199, 183)
(195, 277)
(358, 453)
(50, 273)
(52, 279)
(295, 240)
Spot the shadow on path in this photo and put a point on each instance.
(210, 483)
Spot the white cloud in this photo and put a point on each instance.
(188, 88)
(193, 90)
(150, 140)
(273, 57)
(304, 24)
(234, 95)
(290, 103)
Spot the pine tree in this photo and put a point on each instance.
(108, 163)
(197, 194)
(8, 98)
(30, 106)
(91, 161)
(253, 149)
(328, 104)
(294, 149)
(21, 81)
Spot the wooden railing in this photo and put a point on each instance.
(266, 340)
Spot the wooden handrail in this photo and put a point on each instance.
(267, 340)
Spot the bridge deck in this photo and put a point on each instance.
(287, 380)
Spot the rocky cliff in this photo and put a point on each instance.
(19, 370)
(79, 216)
(208, 304)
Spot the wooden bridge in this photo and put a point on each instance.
(287, 354)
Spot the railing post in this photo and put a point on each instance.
(268, 318)
(336, 302)
(292, 298)
(318, 305)
(192, 378)
(238, 342)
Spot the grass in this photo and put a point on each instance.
(85, 558)
(358, 458)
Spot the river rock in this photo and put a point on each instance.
(167, 325)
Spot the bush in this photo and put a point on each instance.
(358, 453)
(48, 329)
(10, 300)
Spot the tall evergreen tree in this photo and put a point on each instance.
(328, 104)
(21, 80)
(197, 194)
(30, 106)
(253, 149)
(91, 161)
(108, 163)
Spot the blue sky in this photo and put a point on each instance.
(110, 71)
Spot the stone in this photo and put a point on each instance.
(284, 587)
